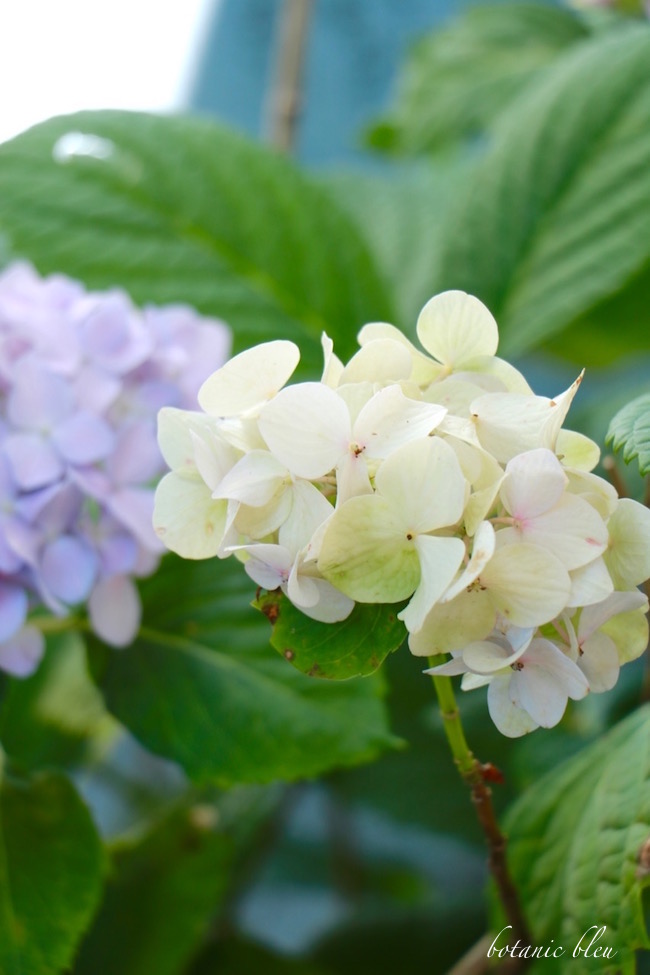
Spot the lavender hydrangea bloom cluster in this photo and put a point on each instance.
(82, 377)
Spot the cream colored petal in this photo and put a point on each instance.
(512, 721)
(249, 379)
(439, 562)
(424, 370)
(572, 530)
(332, 365)
(482, 552)
(450, 626)
(577, 451)
(380, 361)
(391, 419)
(456, 327)
(527, 584)
(628, 556)
(534, 483)
(186, 518)
(254, 480)
(309, 509)
(590, 584)
(366, 554)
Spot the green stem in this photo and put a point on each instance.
(472, 771)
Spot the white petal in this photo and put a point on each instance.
(391, 419)
(258, 523)
(599, 662)
(186, 518)
(307, 427)
(439, 562)
(486, 657)
(590, 584)
(309, 509)
(267, 565)
(572, 530)
(352, 478)
(540, 694)
(212, 457)
(451, 668)
(424, 370)
(544, 655)
(456, 327)
(450, 626)
(332, 366)
(533, 484)
(593, 617)
(424, 484)
(509, 719)
(254, 479)
(249, 379)
(482, 552)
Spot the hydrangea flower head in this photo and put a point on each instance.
(433, 478)
(82, 377)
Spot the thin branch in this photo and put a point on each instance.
(615, 476)
(474, 774)
(285, 95)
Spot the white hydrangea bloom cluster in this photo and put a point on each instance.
(439, 479)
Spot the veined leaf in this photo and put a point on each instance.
(201, 685)
(181, 209)
(354, 647)
(630, 430)
(555, 218)
(576, 841)
(51, 866)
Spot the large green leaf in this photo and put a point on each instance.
(458, 80)
(51, 866)
(354, 647)
(556, 216)
(630, 429)
(201, 685)
(181, 209)
(575, 843)
(165, 887)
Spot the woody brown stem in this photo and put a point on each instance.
(285, 96)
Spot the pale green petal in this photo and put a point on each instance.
(628, 556)
(454, 394)
(254, 480)
(365, 552)
(629, 631)
(456, 327)
(332, 365)
(187, 519)
(391, 419)
(593, 617)
(479, 506)
(424, 369)
(600, 494)
(309, 509)
(599, 662)
(577, 451)
(450, 626)
(175, 429)
(527, 584)
(533, 484)
(307, 427)
(380, 361)
(509, 377)
(424, 484)
(259, 523)
(249, 379)
(440, 559)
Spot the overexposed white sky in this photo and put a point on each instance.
(59, 56)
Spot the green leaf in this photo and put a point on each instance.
(355, 647)
(555, 218)
(201, 685)
(575, 839)
(163, 891)
(51, 866)
(458, 80)
(181, 209)
(630, 429)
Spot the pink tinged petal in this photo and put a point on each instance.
(590, 584)
(267, 565)
(13, 609)
(133, 508)
(34, 462)
(381, 361)
(424, 483)
(307, 427)
(390, 419)
(599, 662)
(38, 399)
(440, 559)
(544, 655)
(254, 480)
(68, 567)
(534, 483)
(187, 519)
(456, 327)
(482, 552)
(593, 617)
(83, 439)
(512, 721)
(115, 611)
(249, 379)
(21, 655)
(527, 584)
(572, 530)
